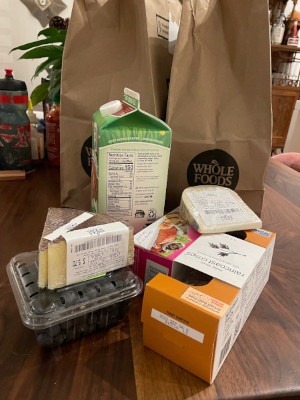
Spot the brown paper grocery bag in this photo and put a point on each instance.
(219, 105)
(111, 44)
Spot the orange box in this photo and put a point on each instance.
(196, 326)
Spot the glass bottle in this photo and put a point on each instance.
(278, 30)
(293, 39)
(53, 132)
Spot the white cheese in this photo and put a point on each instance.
(57, 220)
(53, 249)
(216, 209)
(57, 256)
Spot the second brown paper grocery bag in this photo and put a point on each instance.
(111, 44)
(219, 105)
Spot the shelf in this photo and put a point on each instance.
(284, 48)
(283, 103)
(287, 84)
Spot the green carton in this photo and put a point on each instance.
(130, 160)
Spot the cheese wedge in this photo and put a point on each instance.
(55, 220)
(58, 251)
(216, 209)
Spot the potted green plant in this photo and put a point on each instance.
(50, 48)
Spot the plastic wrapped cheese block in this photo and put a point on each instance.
(88, 246)
(57, 221)
(216, 209)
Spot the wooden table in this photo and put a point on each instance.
(114, 364)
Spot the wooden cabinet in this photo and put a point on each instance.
(285, 91)
(283, 104)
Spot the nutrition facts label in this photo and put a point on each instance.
(133, 179)
(132, 182)
(120, 182)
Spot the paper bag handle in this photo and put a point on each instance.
(202, 9)
(85, 6)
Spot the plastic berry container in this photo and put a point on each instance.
(61, 315)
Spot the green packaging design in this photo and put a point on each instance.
(130, 160)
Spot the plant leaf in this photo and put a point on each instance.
(37, 43)
(57, 64)
(55, 36)
(54, 81)
(30, 45)
(54, 91)
(44, 66)
(53, 33)
(51, 49)
(39, 93)
(52, 52)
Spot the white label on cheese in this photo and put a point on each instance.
(219, 207)
(177, 325)
(222, 256)
(93, 251)
(70, 225)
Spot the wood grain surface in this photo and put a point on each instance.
(113, 363)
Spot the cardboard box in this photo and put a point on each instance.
(196, 326)
(158, 245)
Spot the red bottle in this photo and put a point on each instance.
(53, 132)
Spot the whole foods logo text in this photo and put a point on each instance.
(213, 167)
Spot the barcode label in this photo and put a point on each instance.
(177, 325)
(98, 242)
(222, 211)
(225, 351)
(237, 328)
(96, 250)
(220, 206)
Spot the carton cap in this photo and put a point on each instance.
(111, 107)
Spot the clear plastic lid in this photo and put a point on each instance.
(110, 108)
(43, 308)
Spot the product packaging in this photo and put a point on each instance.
(74, 311)
(111, 44)
(158, 245)
(194, 317)
(53, 132)
(219, 104)
(130, 159)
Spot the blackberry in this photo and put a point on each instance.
(58, 23)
